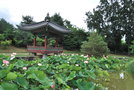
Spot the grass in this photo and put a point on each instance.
(12, 49)
(122, 56)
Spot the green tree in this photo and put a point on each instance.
(5, 26)
(22, 38)
(4, 43)
(95, 46)
(7, 33)
(132, 47)
(113, 19)
(127, 20)
(73, 41)
(57, 19)
(27, 20)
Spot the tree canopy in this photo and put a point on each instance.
(114, 20)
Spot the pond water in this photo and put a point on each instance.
(117, 83)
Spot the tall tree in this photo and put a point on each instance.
(27, 20)
(74, 40)
(127, 19)
(4, 26)
(57, 19)
(113, 19)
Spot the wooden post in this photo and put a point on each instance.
(34, 43)
(56, 43)
(45, 43)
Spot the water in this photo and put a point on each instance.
(118, 83)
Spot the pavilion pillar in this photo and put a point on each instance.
(45, 42)
(34, 42)
(56, 43)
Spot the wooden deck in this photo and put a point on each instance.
(43, 50)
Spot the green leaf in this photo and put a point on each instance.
(11, 66)
(76, 68)
(107, 66)
(62, 66)
(41, 77)
(92, 75)
(37, 88)
(71, 76)
(85, 85)
(11, 76)
(61, 80)
(9, 86)
(19, 64)
(3, 73)
(22, 82)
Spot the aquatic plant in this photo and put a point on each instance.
(56, 72)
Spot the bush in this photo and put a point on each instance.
(131, 67)
(39, 41)
(132, 47)
(95, 46)
(5, 43)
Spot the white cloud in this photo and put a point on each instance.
(72, 10)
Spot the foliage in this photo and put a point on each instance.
(5, 43)
(57, 19)
(131, 67)
(51, 42)
(27, 20)
(2, 37)
(13, 36)
(6, 33)
(74, 40)
(113, 19)
(39, 41)
(132, 47)
(22, 38)
(4, 26)
(55, 72)
(95, 46)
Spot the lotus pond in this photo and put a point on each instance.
(64, 72)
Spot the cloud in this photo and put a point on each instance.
(72, 10)
(4, 13)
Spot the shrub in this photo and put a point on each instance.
(5, 43)
(51, 42)
(131, 67)
(39, 41)
(132, 47)
(95, 46)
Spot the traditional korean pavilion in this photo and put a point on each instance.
(45, 29)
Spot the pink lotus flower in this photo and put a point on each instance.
(24, 68)
(5, 62)
(85, 61)
(52, 86)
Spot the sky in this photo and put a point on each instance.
(72, 10)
